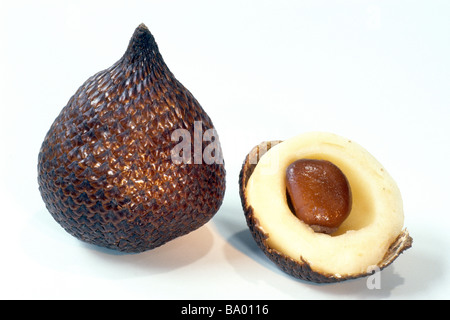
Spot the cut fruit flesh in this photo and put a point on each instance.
(372, 234)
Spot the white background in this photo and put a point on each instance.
(376, 72)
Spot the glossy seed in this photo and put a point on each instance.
(319, 193)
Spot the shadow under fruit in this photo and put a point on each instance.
(105, 170)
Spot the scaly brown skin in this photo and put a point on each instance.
(105, 171)
(301, 270)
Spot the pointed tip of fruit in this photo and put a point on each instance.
(142, 44)
(142, 26)
(142, 36)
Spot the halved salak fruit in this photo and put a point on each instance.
(372, 236)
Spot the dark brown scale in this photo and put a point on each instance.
(105, 171)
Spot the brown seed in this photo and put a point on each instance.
(319, 193)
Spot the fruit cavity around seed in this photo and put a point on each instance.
(319, 194)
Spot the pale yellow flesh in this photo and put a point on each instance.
(362, 240)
